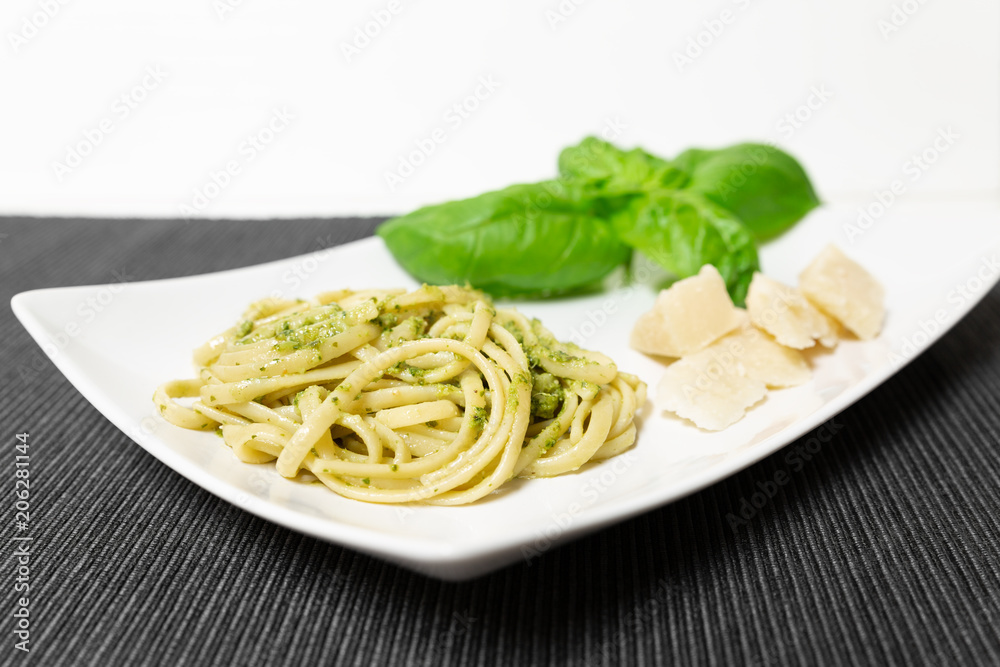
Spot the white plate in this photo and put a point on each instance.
(116, 343)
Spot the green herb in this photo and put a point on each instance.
(766, 188)
(366, 480)
(534, 238)
(602, 168)
(704, 207)
(683, 231)
(394, 467)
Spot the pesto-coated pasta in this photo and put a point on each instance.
(388, 396)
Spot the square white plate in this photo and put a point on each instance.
(116, 343)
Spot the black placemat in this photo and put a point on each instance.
(881, 549)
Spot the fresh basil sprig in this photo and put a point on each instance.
(766, 188)
(704, 207)
(682, 232)
(603, 169)
(537, 238)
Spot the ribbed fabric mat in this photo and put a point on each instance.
(882, 550)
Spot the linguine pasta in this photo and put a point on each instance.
(389, 396)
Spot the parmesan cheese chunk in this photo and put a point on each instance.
(708, 389)
(765, 359)
(687, 317)
(846, 291)
(714, 387)
(785, 313)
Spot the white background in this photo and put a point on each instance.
(892, 76)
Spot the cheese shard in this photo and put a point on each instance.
(687, 317)
(708, 390)
(843, 289)
(785, 313)
(765, 359)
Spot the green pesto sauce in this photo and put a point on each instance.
(479, 418)
(514, 330)
(245, 327)
(549, 347)
(299, 330)
(547, 395)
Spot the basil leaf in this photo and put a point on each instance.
(765, 187)
(682, 231)
(603, 169)
(540, 238)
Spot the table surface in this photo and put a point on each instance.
(882, 550)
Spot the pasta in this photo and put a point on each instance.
(388, 396)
